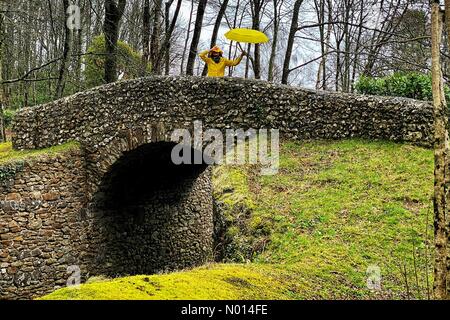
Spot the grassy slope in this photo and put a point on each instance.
(8, 154)
(334, 209)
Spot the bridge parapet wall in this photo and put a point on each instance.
(97, 116)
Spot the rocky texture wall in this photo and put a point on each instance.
(41, 231)
(96, 116)
(168, 230)
(155, 216)
(47, 223)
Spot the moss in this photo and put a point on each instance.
(349, 205)
(242, 230)
(334, 209)
(208, 282)
(231, 186)
(9, 155)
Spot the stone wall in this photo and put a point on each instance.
(40, 225)
(95, 117)
(155, 216)
(49, 222)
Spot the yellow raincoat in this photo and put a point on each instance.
(218, 69)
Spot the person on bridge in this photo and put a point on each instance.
(216, 63)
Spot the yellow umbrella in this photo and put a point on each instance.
(246, 35)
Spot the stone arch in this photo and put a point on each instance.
(101, 155)
(147, 214)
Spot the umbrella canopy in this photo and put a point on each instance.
(246, 35)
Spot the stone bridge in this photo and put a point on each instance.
(117, 205)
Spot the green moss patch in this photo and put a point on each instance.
(8, 154)
(217, 281)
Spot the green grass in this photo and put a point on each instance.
(334, 209)
(8, 154)
(214, 281)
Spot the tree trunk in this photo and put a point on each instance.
(65, 62)
(2, 118)
(447, 25)
(320, 11)
(256, 16)
(79, 59)
(441, 153)
(273, 53)
(338, 72)
(247, 63)
(230, 47)
(77, 50)
(165, 47)
(156, 36)
(27, 56)
(188, 34)
(145, 36)
(113, 14)
(167, 30)
(290, 44)
(358, 45)
(196, 37)
(346, 63)
(321, 82)
(219, 18)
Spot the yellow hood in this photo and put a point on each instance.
(217, 49)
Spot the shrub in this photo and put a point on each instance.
(8, 117)
(409, 85)
(128, 62)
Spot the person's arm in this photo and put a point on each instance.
(204, 56)
(235, 62)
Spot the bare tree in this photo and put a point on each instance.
(168, 34)
(65, 62)
(277, 4)
(325, 37)
(113, 13)
(257, 7)
(234, 24)
(291, 39)
(384, 30)
(215, 32)
(165, 47)
(196, 37)
(441, 154)
(188, 34)
(2, 35)
(145, 36)
(156, 36)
